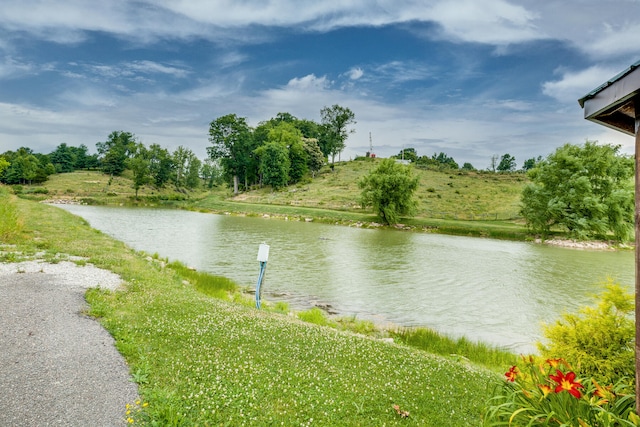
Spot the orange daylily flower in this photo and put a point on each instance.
(545, 389)
(512, 373)
(567, 382)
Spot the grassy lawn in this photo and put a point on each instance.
(204, 361)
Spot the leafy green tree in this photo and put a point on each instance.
(530, 163)
(445, 161)
(161, 165)
(335, 129)
(283, 138)
(315, 159)
(25, 167)
(115, 151)
(63, 158)
(180, 158)
(194, 165)
(409, 153)
(232, 142)
(389, 189)
(587, 190)
(274, 163)
(211, 172)
(4, 164)
(468, 167)
(139, 165)
(507, 163)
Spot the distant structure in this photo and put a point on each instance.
(370, 153)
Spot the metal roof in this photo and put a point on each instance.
(612, 103)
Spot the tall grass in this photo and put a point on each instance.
(10, 222)
(208, 284)
(434, 342)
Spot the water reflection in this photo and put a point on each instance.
(490, 290)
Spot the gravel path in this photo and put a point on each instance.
(57, 366)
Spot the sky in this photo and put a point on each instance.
(470, 78)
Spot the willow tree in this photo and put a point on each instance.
(389, 189)
(586, 190)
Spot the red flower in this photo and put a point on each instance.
(567, 382)
(512, 373)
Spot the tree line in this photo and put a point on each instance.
(278, 152)
(441, 161)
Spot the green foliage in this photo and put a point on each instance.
(274, 164)
(232, 142)
(115, 151)
(389, 189)
(335, 129)
(161, 165)
(507, 163)
(550, 394)
(24, 167)
(598, 341)
(586, 190)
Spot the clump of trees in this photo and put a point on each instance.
(121, 151)
(586, 190)
(389, 189)
(280, 151)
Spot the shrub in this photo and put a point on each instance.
(599, 341)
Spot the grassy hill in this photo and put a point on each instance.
(453, 202)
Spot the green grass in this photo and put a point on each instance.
(208, 361)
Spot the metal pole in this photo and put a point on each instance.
(637, 249)
(263, 267)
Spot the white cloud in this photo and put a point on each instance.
(309, 83)
(355, 73)
(575, 84)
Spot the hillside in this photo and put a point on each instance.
(452, 202)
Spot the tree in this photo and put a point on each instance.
(274, 164)
(211, 172)
(192, 179)
(4, 164)
(507, 163)
(468, 167)
(232, 143)
(315, 159)
(63, 158)
(335, 129)
(587, 190)
(139, 164)
(161, 165)
(389, 190)
(530, 163)
(407, 154)
(115, 151)
(494, 163)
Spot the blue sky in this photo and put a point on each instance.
(470, 78)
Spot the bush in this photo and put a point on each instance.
(599, 341)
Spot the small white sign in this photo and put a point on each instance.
(263, 252)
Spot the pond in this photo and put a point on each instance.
(489, 290)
